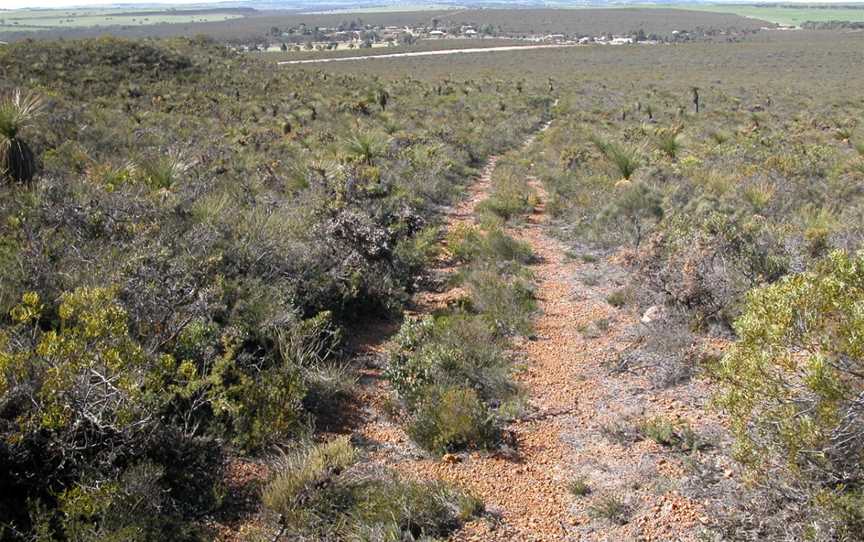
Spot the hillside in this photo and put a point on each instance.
(592, 292)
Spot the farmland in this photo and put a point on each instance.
(792, 15)
(256, 25)
(40, 20)
(593, 292)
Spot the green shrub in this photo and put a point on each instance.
(635, 209)
(625, 159)
(294, 486)
(17, 161)
(468, 243)
(510, 196)
(507, 303)
(612, 508)
(417, 251)
(457, 350)
(668, 141)
(452, 418)
(792, 383)
(317, 495)
(579, 487)
(620, 297)
(679, 436)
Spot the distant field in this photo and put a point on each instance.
(775, 60)
(388, 9)
(41, 20)
(257, 24)
(788, 15)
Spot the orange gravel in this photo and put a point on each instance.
(565, 378)
(569, 388)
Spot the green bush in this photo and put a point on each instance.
(452, 418)
(612, 508)
(317, 495)
(792, 384)
(457, 350)
(625, 159)
(469, 243)
(511, 196)
(677, 435)
(506, 302)
(634, 209)
(579, 487)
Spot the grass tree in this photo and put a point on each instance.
(382, 98)
(625, 159)
(365, 148)
(17, 111)
(668, 141)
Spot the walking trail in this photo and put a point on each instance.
(567, 381)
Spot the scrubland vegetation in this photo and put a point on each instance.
(742, 221)
(191, 238)
(180, 275)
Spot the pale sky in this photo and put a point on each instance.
(15, 4)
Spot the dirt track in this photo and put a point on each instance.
(426, 53)
(575, 399)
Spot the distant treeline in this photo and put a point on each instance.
(833, 25)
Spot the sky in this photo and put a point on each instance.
(15, 4)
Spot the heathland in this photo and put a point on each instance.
(592, 293)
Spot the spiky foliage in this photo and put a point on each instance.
(625, 159)
(668, 141)
(17, 161)
(365, 148)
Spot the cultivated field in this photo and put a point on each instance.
(26, 20)
(793, 15)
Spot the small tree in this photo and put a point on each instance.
(382, 97)
(17, 161)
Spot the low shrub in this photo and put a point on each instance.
(611, 508)
(625, 159)
(506, 302)
(318, 493)
(454, 378)
(792, 387)
(458, 349)
(468, 244)
(579, 487)
(676, 435)
(510, 197)
(452, 418)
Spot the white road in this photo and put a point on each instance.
(428, 53)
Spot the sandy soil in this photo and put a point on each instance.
(575, 402)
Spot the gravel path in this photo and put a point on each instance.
(426, 53)
(576, 401)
